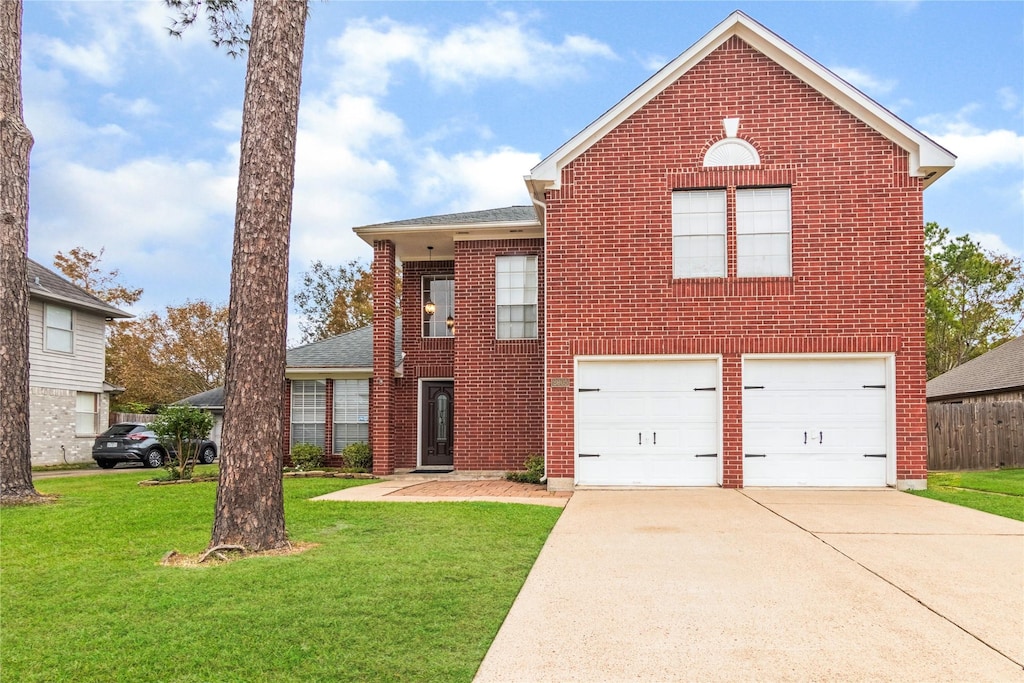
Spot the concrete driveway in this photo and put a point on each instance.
(768, 584)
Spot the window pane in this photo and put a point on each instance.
(85, 413)
(351, 412)
(763, 232)
(59, 334)
(515, 295)
(698, 227)
(441, 291)
(58, 317)
(309, 407)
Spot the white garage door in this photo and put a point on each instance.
(814, 422)
(647, 422)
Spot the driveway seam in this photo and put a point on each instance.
(897, 587)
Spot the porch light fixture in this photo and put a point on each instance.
(430, 306)
(450, 322)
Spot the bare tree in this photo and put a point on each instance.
(15, 146)
(250, 501)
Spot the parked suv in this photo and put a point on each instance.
(133, 442)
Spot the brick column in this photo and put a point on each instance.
(382, 394)
(732, 421)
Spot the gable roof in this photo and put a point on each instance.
(1001, 369)
(928, 159)
(45, 284)
(214, 398)
(349, 350)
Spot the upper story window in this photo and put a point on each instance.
(438, 290)
(59, 334)
(309, 411)
(698, 233)
(701, 225)
(516, 297)
(763, 231)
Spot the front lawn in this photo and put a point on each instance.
(1000, 492)
(411, 592)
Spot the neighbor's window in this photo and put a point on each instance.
(351, 412)
(59, 333)
(439, 289)
(309, 408)
(763, 232)
(698, 233)
(516, 297)
(86, 414)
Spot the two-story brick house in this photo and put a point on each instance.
(69, 399)
(720, 282)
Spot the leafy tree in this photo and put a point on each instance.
(249, 511)
(160, 359)
(334, 300)
(974, 299)
(81, 267)
(181, 430)
(15, 146)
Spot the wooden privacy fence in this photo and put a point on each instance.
(975, 436)
(131, 417)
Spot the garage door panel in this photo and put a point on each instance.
(812, 422)
(641, 423)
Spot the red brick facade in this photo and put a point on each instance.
(857, 245)
(606, 272)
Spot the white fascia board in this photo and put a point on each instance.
(411, 241)
(927, 158)
(328, 373)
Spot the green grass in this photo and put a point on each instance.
(1000, 492)
(395, 592)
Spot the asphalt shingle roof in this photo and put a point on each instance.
(45, 284)
(214, 398)
(348, 350)
(1001, 369)
(508, 214)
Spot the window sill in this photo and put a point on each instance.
(734, 287)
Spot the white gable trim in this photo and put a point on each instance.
(928, 159)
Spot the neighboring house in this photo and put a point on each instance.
(69, 399)
(212, 401)
(719, 283)
(976, 412)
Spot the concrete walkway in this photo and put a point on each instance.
(427, 489)
(768, 585)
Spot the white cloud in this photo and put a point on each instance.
(976, 149)
(1008, 98)
(96, 60)
(503, 48)
(470, 181)
(862, 80)
(140, 106)
(994, 243)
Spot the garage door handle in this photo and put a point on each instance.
(640, 438)
(754, 455)
(875, 455)
(589, 455)
(707, 455)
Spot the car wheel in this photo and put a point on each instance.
(106, 464)
(153, 458)
(207, 455)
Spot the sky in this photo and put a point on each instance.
(413, 109)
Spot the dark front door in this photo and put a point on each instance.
(437, 423)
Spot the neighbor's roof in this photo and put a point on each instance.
(928, 159)
(1001, 369)
(214, 398)
(348, 350)
(45, 284)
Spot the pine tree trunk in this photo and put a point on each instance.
(250, 503)
(15, 145)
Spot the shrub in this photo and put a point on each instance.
(358, 457)
(534, 470)
(181, 429)
(307, 456)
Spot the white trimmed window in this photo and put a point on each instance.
(60, 334)
(351, 412)
(698, 233)
(309, 408)
(86, 414)
(763, 231)
(516, 296)
(439, 290)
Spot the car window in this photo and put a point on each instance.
(121, 429)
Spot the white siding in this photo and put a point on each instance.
(82, 370)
